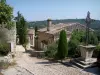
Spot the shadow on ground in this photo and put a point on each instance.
(94, 70)
(30, 52)
(67, 64)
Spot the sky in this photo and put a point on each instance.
(36, 10)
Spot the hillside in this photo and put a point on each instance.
(95, 24)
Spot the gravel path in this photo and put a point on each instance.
(27, 65)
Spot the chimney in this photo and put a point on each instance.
(49, 23)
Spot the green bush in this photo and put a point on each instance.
(73, 48)
(98, 47)
(4, 49)
(51, 50)
(73, 44)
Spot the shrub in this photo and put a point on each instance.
(51, 50)
(98, 47)
(4, 49)
(73, 48)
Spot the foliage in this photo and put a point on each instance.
(98, 47)
(4, 49)
(51, 50)
(18, 22)
(79, 37)
(75, 40)
(92, 38)
(21, 29)
(62, 46)
(73, 48)
(97, 32)
(6, 14)
(36, 29)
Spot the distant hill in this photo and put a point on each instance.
(95, 24)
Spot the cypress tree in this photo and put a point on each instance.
(36, 28)
(23, 31)
(62, 46)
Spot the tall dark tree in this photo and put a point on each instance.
(21, 28)
(23, 31)
(18, 22)
(62, 46)
(36, 29)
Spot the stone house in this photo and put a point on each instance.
(51, 33)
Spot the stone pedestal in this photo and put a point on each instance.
(86, 59)
(86, 52)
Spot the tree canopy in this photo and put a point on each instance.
(6, 13)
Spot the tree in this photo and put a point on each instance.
(23, 31)
(62, 46)
(6, 13)
(18, 22)
(21, 28)
(36, 29)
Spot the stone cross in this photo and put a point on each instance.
(88, 21)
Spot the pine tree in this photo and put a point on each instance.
(62, 46)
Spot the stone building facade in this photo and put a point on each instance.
(51, 33)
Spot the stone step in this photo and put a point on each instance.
(80, 65)
(79, 62)
(92, 60)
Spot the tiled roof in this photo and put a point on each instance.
(56, 28)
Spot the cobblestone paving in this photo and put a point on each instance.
(27, 65)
